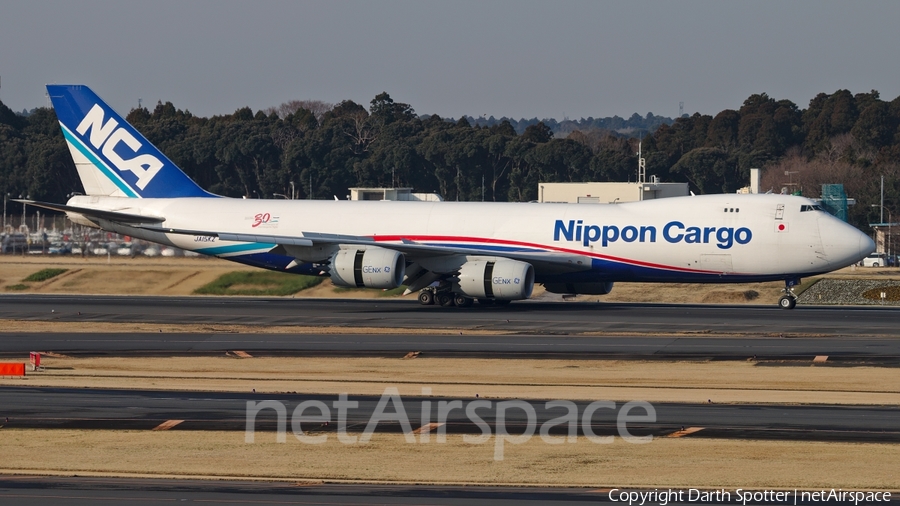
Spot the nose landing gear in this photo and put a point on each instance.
(789, 300)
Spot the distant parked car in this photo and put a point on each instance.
(874, 260)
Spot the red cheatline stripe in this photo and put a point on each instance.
(480, 240)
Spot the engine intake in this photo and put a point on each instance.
(496, 279)
(370, 267)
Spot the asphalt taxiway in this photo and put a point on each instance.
(854, 351)
(78, 408)
(88, 491)
(527, 329)
(561, 318)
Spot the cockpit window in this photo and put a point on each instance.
(815, 207)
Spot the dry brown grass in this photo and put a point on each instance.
(388, 458)
(731, 297)
(118, 275)
(697, 382)
(181, 276)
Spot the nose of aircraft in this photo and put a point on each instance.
(866, 245)
(844, 244)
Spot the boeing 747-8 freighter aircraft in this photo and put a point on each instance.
(492, 252)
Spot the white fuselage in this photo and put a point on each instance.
(712, 238)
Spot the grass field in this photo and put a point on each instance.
(185, 276)
(258, 282)
(388, 458)
(44, 275)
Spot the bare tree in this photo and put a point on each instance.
(360, 131)
(809, 175)
(316, 107)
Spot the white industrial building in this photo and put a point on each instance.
(402, 194)
(612, 193)
(609, 193)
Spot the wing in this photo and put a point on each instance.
(548, 262)
(415, 251)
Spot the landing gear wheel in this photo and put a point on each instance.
(462, 300)
(444, 299)
(426, 297)
(787, 302)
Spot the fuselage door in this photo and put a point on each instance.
(716, 263)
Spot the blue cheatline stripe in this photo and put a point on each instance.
(122, 185)
(235, 248)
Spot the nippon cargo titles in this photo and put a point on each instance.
(673, 232)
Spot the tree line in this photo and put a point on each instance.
(324, 149)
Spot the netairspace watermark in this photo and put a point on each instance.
(476, 411)
(744, 496)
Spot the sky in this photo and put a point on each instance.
(519, 59)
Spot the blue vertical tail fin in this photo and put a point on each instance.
(112, 157)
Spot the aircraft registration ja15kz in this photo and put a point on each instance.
(489, 252)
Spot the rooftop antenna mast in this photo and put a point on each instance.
(642, 166)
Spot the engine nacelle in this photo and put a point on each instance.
(582, 288)
(496, 279)
(369, 267)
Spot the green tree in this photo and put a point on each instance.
(875, 126)
(827, 117)
(707, 170)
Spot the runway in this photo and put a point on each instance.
(524, 330)
(84, 491)
(546, 318)
(858, 350)
(78, 408)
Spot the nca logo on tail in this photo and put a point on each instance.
(106, 138)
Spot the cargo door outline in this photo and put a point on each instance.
(717, 263)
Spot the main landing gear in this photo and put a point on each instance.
(433, 296)
(789, 300)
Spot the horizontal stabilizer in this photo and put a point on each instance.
(95, 213)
